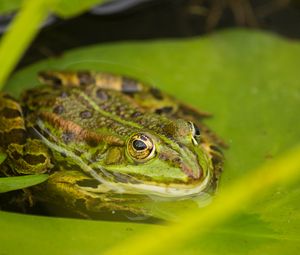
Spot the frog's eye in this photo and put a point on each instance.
(140, 147)
(195, 133)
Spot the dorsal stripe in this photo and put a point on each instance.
(109, 115)
(80, 133)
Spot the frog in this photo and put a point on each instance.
(108, 142)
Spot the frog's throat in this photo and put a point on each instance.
(158, 189)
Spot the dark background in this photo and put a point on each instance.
(149, 19)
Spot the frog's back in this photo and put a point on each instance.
(94, 109)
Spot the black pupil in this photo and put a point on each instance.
(139, 145)
(197, 130)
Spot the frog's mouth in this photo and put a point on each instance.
(170, 190)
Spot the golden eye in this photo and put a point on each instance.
(195, 133)
(140, 147)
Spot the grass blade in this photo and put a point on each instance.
(20, 182)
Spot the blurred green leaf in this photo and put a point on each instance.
(250, 82)
(20, 182)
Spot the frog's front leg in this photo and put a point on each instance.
(25, 154)
(79, 193)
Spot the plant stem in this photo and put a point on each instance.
(20, 34)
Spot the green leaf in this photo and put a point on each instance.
(20, 182)
(250, 82)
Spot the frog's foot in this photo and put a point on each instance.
(25, 154)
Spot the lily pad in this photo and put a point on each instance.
(249, 81)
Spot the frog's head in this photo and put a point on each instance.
(170, 163)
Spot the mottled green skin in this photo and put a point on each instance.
(79, 127)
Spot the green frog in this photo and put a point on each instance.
(108, 142)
